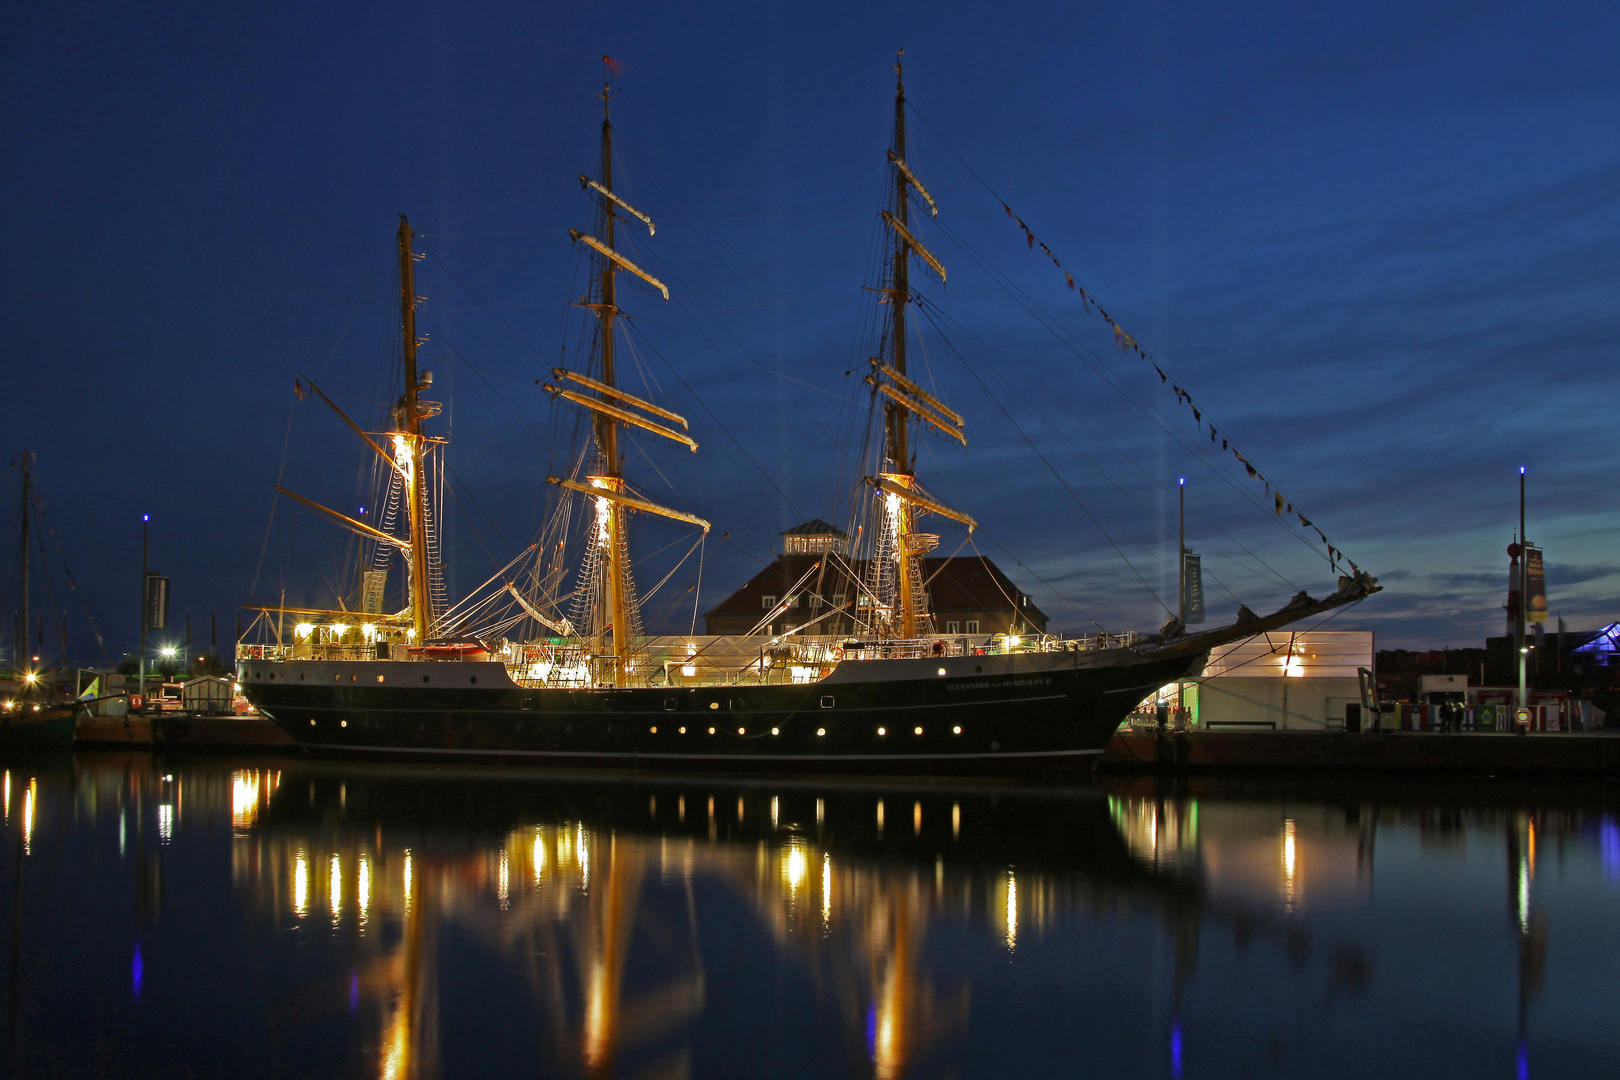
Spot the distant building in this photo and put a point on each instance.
(967, 595)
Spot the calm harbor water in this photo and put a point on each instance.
(280, 918)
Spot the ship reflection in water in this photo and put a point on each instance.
(438, 922)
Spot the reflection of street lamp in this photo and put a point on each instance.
(167, 652)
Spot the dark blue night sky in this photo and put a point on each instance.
(1378, 242)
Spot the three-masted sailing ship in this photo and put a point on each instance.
(579, 680)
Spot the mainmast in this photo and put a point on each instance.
(408, 441)
(902, 501)
(611, 477)
(614, 616)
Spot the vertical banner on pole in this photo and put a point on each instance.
(1193, 586)
(157, 602)
(1536, 602)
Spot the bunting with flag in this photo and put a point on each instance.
(1126, 342)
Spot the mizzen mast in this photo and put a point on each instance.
(897, 569)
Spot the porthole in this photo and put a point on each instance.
(653, 729)
(883, 731)
(343, 723)
(301, 676)
(714, 704)
(354, 678)
(916, 731)
(942, 671)
(821, 731)
(711, 731)
(774, 731)
(956, 731)
(741, 731)
(379, 678)
(473, 679)
(424, 678)
(995, 746)
(977, 670)
(312, 721)
(683, 731)
(338, 677)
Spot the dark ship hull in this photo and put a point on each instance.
(1019, 713)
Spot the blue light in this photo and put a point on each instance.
(362, 509)
(1524, 1063)
(1521, 470)
(1175, 1050)
(146, 517)
(137, 972)
(354, 991)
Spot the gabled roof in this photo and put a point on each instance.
(814, 527)
(963, 583)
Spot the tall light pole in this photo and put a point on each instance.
(146, 520)
(1524, 599)
(1181, 575)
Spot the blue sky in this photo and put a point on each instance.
(1380, 243)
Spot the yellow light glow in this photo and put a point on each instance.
(1293, 667)
(244, 798)
(303, 629)
(300, 884)
(1012, 641)
(368, 631)
(409, 879)
(826, 887)
(335, 888)
(584, 849)
(688, 670)
(916, 818)
(339, 629)
(539, 857)
(795, 868)
(956, 820)
(28, 814)
(1290, 865)
(1012, 910)
(503, 881)
(363, 887)
(30, 678)
(411, 633)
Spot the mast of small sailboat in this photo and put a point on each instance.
(408, 442)
(23, 659)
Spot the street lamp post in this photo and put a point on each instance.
(1524, 600)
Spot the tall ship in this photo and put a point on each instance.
(549, 661)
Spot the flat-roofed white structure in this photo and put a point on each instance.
(1290, 681)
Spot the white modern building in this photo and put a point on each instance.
(1281, 681)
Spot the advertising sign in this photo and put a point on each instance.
(1192, 569)
(157, 602)
(1536, 605)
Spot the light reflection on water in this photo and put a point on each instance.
(485, 923)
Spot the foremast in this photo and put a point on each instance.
(901, 501)
(614, 618)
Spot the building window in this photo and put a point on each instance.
(767, 602)
(839, 599)
(973, 626)
(953, 627)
